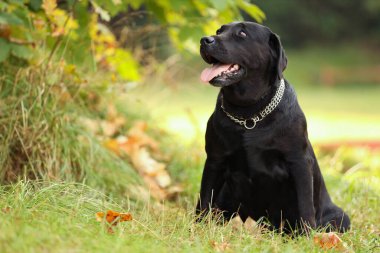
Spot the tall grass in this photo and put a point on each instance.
(42, 138)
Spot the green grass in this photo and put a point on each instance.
(77, 177)
(60, 217)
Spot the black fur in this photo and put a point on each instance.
(269, 171)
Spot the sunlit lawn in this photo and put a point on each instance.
(333, 114)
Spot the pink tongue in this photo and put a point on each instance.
(209, 73)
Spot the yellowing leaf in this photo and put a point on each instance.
(49, 6)
(125, 65)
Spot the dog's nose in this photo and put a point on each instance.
(207, 40)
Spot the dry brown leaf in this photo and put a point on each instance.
(173, 192)
(6, 209)
(110, 128)
(138, 136)
(330, 241)
(250, 224)
(147, 166)
(220, 246)
(154, 173)
(237, 223)
(105, 128)
(91, 125)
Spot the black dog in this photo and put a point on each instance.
(260, 162)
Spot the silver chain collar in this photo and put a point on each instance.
(267, 110)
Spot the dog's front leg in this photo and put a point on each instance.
(212, 182)
(301, 172)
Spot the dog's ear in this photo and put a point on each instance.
(278, 54)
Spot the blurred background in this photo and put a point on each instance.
(101, 107)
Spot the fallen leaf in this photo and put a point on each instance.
(237, 223)
(112, 145)
(330, 241)
(220, 246)
(148, 166)
(6, 209)
(139, 138)
(138, 146)
(113, 217)
(250, 224)
(172, 192)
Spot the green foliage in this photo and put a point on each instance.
(76, 29)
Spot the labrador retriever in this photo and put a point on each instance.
(260, 162)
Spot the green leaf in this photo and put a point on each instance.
(158, 11)
(21, 51)
(135, 4)
(252, 10)
(4, 49)
(178, 5)
(126, 66)
(3, 5)
(19, 2)
(10, 19)
(188, 32)
(35, 5)
(219, 4)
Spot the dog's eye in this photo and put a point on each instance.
(218, 32)
(242, 34)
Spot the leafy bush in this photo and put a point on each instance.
(78, 31)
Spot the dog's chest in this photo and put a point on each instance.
(255, 153)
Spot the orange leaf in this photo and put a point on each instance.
(113, 217)
(112, 145)
(330, 241)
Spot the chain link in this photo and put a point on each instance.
(267, 110)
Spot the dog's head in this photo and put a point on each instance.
(240, 50)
